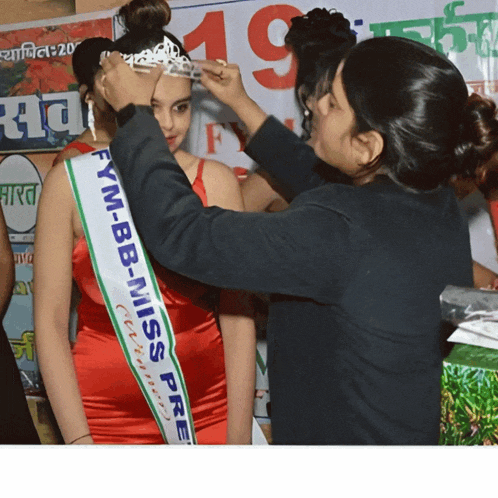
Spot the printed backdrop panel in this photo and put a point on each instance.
(251, 34)
(20, 185)
(39, 102)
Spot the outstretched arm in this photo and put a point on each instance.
(52, 291)
(298, 252)
(280, 152)
(286, 158)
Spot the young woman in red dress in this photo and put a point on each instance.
(94, 395)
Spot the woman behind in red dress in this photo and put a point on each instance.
(319, 40)
(93, 393)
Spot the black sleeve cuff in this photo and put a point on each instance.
(127, 112)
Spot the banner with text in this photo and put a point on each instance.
(39, 103)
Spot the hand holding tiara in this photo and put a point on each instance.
(121, 86)
(224, 81)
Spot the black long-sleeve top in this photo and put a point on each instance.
(355, 275)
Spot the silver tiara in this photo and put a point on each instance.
(166, 53)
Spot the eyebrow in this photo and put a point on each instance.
(179, 101)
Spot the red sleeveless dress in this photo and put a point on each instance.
(116, 410)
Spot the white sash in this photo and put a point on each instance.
(131, 293)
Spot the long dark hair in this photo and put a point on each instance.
(319, 40)
(144, 21)
(86, 60)
(418, 100)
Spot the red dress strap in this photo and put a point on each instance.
(198, 185)
(80, 146)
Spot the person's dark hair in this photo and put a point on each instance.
(86, 60)
(418, 100)
(144, 21)
(319, 40)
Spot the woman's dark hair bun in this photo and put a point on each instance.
(479, 134)
(145, 16)
(318, 30)
(144, 21)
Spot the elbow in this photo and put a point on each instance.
(7, 280)
(11, 275)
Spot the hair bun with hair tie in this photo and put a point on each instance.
(143, 16)
(318, 31)
(479, 134)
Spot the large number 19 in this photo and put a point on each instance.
(211, 32)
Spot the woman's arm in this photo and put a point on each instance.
(52, 293)
(287, 159)
(483, 277)
(239, 343)
(236, 321)
(16, 424)
(7, 268)
(277, 150)
(289, 162)
(258, 194)
(297, 252)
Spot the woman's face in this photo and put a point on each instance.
(334, 129)
(171, 105)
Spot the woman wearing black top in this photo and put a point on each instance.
(16, 424)
(355, 273)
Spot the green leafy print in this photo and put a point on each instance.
(469, 406)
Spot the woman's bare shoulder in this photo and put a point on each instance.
(219, 170)
(222, 186)
(56, 182)
(68, 154)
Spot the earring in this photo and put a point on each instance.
(91, 120)
(306, 124)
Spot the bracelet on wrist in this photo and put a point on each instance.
(78, 438)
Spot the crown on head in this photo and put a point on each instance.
(166, 53)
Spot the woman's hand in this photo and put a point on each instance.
(121, 86)
(223, 80)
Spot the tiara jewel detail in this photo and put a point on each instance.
(166, 53)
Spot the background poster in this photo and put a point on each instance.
(39, 102)
(39, 111)
(20, 214)
(251, 34)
